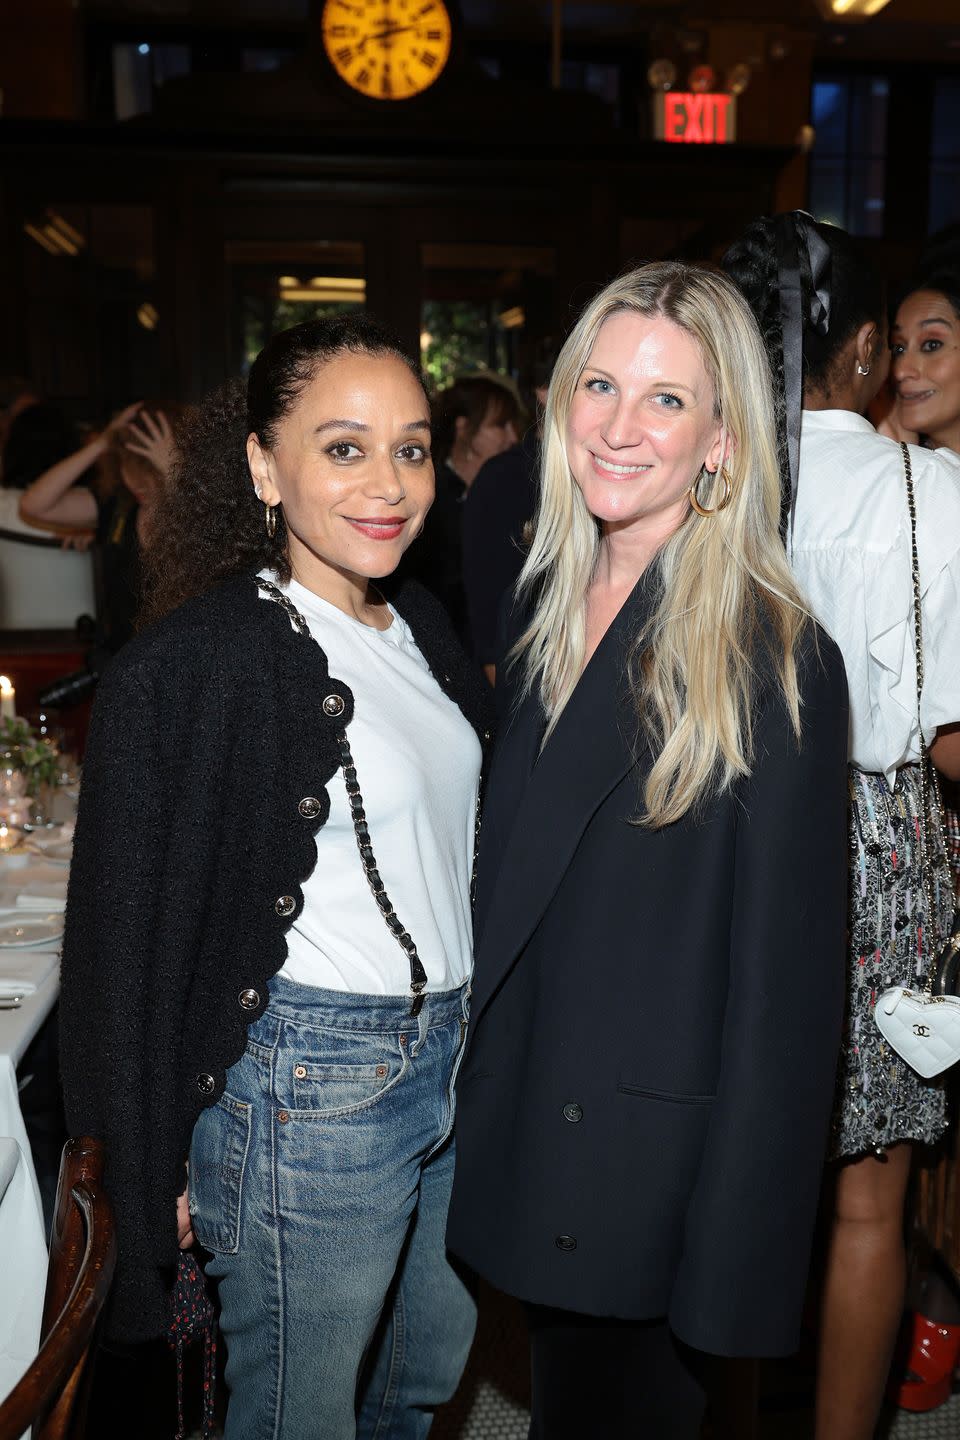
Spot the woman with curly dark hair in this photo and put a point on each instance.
(238, 989)
(820, 305)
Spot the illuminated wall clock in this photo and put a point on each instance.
(387, 49)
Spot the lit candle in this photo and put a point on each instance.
(7, 699)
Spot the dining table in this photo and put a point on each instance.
(33, 887)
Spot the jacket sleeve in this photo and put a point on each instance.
(110, 986)
(750, 1219)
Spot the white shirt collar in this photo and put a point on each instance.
(836, 420)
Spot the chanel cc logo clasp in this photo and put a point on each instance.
(921, 1030)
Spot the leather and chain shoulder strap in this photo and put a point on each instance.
(931, 804)
(361, 829)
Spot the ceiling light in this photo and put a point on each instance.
(850, 9)
(42, 240)
(338, 282)
(65, 228)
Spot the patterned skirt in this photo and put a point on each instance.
(880, 1099)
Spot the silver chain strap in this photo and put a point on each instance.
(931, 802)
(361, 830)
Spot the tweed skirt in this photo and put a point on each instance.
(880, 1099)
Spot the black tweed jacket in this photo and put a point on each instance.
(204, 783)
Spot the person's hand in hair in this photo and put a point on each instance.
(112, 430)
(151, 437)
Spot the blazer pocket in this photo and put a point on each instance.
(218, 1162)
(672, 1097)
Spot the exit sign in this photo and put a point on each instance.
(694, 119)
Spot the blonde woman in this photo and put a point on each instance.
(659, 981)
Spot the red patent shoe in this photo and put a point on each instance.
(932, 1359)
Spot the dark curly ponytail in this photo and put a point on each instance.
(210, 524)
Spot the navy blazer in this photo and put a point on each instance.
(644, 1102)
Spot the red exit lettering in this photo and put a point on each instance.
(697, 119)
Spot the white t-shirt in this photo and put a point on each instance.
(850, 551)
(418, 767)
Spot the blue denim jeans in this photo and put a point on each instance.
(320, 1183)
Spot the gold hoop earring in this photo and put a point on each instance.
(727, 493)
(270, 516)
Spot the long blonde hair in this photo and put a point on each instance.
(726, 591)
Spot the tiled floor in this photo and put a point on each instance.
(491, 1403)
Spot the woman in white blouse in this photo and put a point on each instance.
(821, 307)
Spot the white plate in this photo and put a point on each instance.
(18, 932)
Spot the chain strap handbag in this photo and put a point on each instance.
(923, 1026)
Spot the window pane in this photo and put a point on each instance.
(828, 192)
(848, 163)
(485, 307)
(276, 286)
(830, 116)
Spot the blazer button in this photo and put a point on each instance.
(285, 905)
(206, 1084)
(573, 1113)
(309, 807)
(565, 1242)
(248, 999)
(334, 705)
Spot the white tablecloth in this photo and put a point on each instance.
(23, 1250)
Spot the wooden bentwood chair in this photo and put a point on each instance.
(52, 1395)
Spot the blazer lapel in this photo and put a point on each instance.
(588, 754)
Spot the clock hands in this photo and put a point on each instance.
(387, 34)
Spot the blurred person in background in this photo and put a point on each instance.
(34, 433)
(821, 308)
(107, 490)
(498, 507)
(925, 375)
(925, 362)
(475, 418)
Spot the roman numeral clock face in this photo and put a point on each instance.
(387, 49)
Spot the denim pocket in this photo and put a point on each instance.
(340, 1073)
(218, 1161)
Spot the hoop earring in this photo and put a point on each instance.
(860, 369)
(727, 493)
(270, 516)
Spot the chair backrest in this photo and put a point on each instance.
(83, 1252)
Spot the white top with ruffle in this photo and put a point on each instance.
(850, 551)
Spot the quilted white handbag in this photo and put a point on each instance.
(923, 1029)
